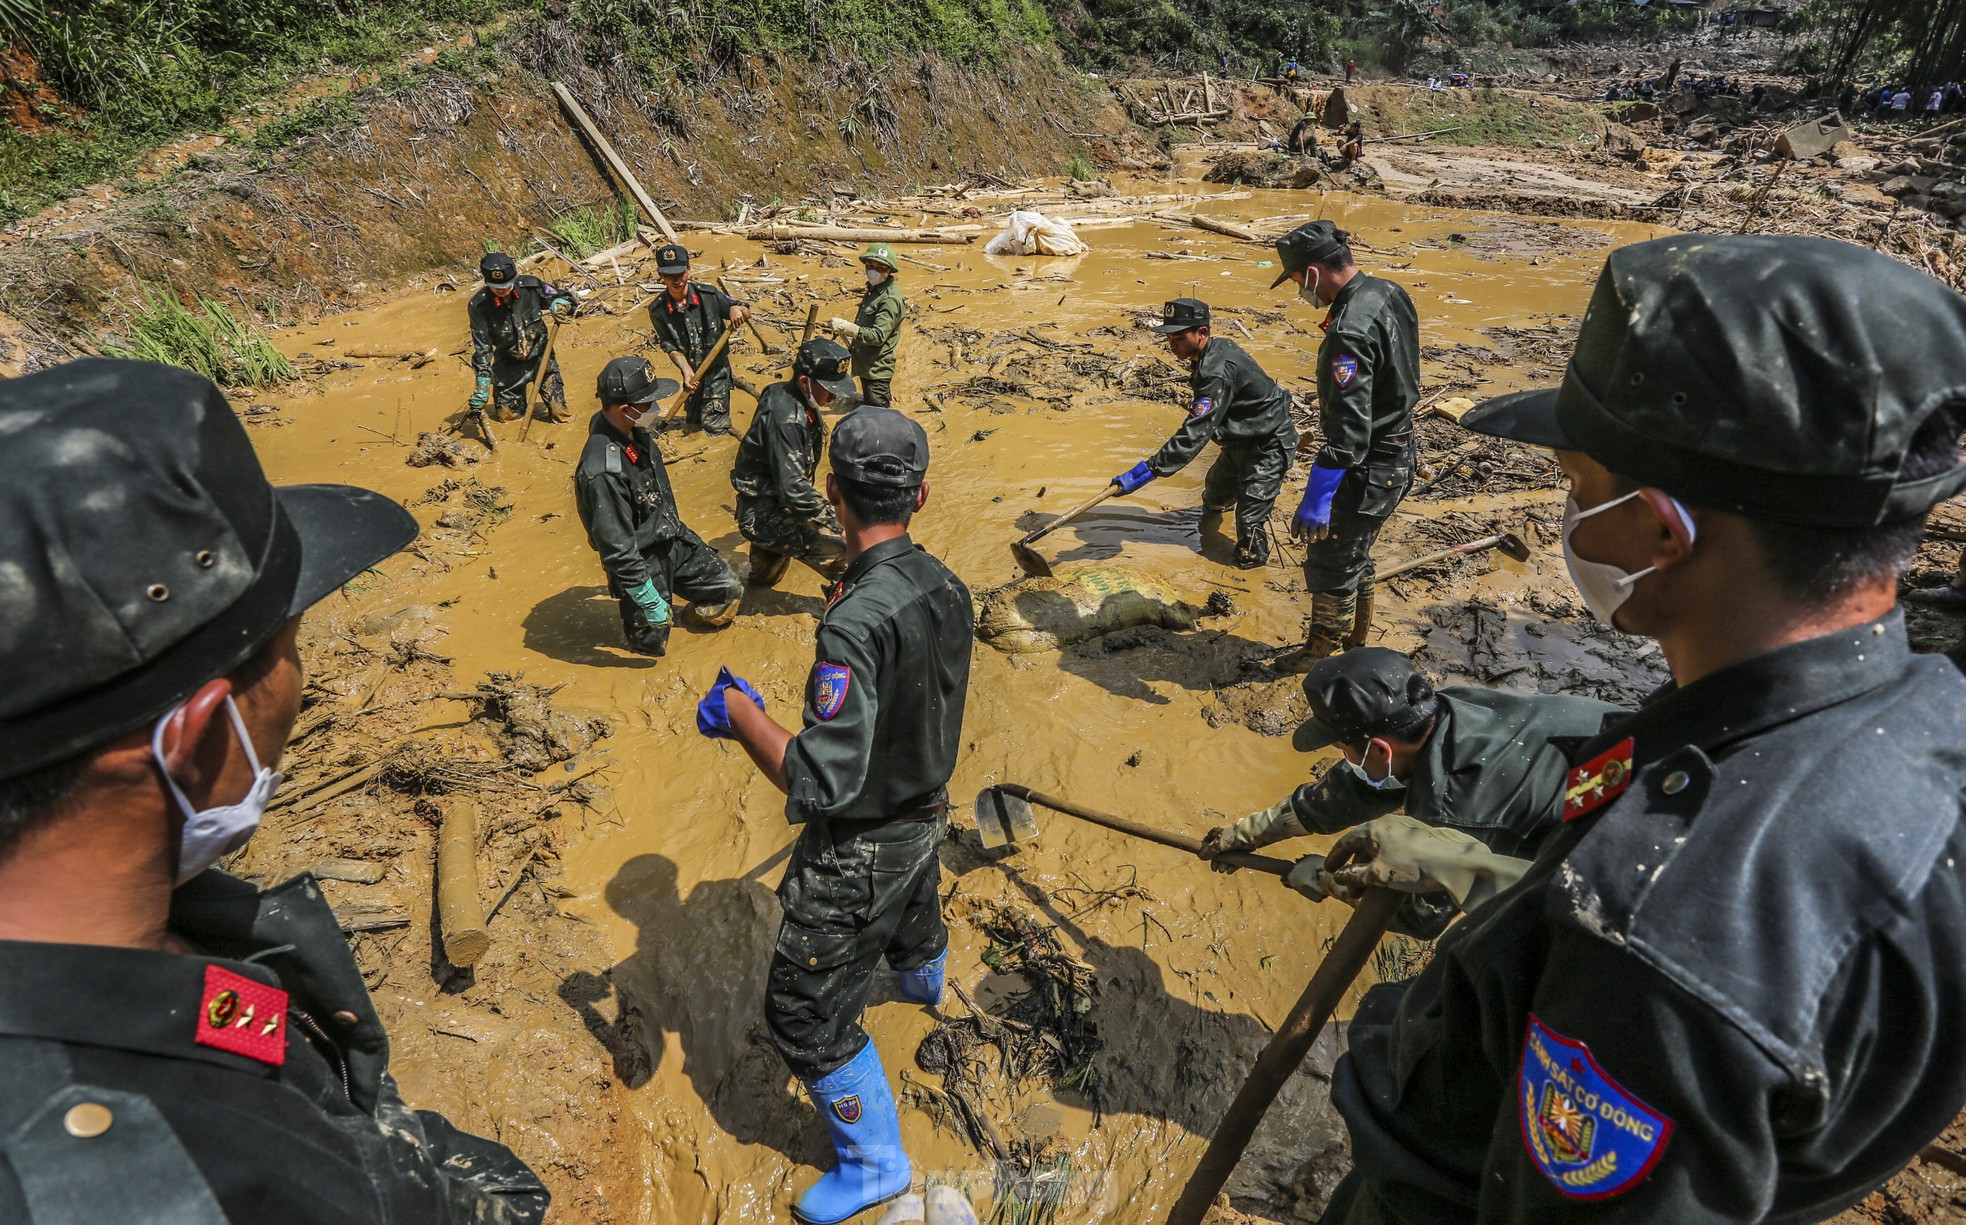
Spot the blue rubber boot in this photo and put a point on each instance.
(924, 983)
(859, 1111)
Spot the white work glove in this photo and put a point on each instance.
(1398, 852)
(1276, 822)
(1307, 876)
(842, 327)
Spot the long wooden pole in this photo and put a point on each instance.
(751, 323)
(1286, 1051)
(614, 161)
(682, 397)
(539, 379)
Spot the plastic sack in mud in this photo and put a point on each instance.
(1043, 614)
(1028, 233)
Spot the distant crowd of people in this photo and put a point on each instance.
(1902, 100)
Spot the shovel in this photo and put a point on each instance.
(1003, 815)
(682, 397)
(1510, 544)
(1028, 558)
(539, 380)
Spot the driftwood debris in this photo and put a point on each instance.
(459, 912)
(614, 160)
(781, 232)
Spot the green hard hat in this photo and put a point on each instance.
(881, 253)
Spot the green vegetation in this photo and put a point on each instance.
(1080, 169)
(587, 230)
(1897, 39)
(1486, 117)
(208, 340)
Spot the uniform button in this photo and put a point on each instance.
(1675, 782)
(812, 961)
(87, 1121)
(346, 1017)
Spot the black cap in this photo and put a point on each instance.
(498, 270)
(1781, 378)
(631, 380)
(827, 363)
(671, 259)
(143, 553)
(1180, 315)
(1314, 242)
(1358, 694)
(879, 446)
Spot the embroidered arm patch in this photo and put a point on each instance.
(1204, 406)
(1344, 370)
(1587, 1135)
(829, 685)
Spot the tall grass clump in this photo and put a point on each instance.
(584, 231)
(207, 340)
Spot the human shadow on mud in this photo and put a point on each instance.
(582, 626)
(1165, 1054)
(1103, 530)
(698, 970)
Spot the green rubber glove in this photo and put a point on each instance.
(1398, 852)
(561, 307)
(1273, 824)
(650, 601)
(481, 394)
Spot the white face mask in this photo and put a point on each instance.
(875, 276)
(1377, 784)
(211, 833)
(1308, 290)
(1606, 587)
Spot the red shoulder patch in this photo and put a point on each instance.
(242, 1016)
(1598, 781)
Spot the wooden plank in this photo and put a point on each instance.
(614, 160)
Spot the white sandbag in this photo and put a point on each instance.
(1028, 233)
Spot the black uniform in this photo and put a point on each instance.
(1241, 409)
(868, 777)
(506, 342)
(779, 510)
(1368, 382)
(1494, 768)
(692, 327)
(623, 495)
(1728, 989)
(251, 1082)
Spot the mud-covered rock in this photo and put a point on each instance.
(1043, 614)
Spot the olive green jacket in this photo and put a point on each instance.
(879, 320)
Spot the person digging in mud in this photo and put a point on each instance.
(778, 509)
(1486, 762)
(508, 336)
(874, 333)
(867, 777)
(1727, 987)
(689, 318)
(1368, 382)
(176, 1044)
(1302, 141)
(1241, 410)
(622, 492)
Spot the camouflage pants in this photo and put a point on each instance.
(851, 897)
(777, 535)
(1248, 476)
(709, 405)
(512, 384)
(683, 566)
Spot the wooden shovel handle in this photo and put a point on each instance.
(539, 378)
(1072, 514)
(749, 322)
(1241, 859)
(1286, 1050)
(1473, 546)
(682, 397)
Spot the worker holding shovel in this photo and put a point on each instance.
(1486, 762)
(509, 340)
(867, 778)
(779, 509)
(690, 318)
(1727, 988)
(1240, 409)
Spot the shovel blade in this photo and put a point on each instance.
(1512, 545)
(1003, 819)
(1030, 561)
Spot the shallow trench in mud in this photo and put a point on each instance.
(1036, 381)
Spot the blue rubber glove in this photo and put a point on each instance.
(481, 394)
(1134, 477)
(712, 716)
(1314, 513)
(650, 601)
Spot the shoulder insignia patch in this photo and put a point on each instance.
(1344, 370)
(829, 685)
(1203, 407)
(242, 1016)
(1587, 1135)
(614, 458)
(1598, 781)
(848, 1108)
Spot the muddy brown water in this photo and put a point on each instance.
(1194, 968)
